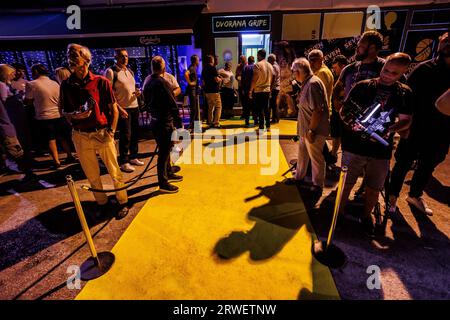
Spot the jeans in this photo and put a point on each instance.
(128, 135)
(261, 100)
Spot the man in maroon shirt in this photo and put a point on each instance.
(88, 101)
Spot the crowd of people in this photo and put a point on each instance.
(363, 92)
(85, 110)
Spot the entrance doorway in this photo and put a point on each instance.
(253, 42)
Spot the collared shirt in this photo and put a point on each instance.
(45, 95)
(93, 91)
(124, 87)
(312, 97)
(326, 76)
(277, 76)
(265, 73)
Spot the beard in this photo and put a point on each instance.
(361, 56)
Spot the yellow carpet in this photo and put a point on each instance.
(230, 233)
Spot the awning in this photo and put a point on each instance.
(106, 27)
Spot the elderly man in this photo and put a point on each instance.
(88, 102)
(313, 125)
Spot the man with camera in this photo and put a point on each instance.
(87, 100)
(369, 114)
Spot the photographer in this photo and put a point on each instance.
(382, 95)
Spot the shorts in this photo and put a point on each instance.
(53, 128)
(335, 124)
(376, 170)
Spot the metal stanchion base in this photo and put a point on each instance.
(90, 270)
(332, 256)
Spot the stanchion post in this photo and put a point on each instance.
(342, 178)
(99, 263)
(324, 251)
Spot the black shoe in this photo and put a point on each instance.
(122, 213)
(174, 169)
(55, 166)
(175, 178)
(294, 182)
(168, 188)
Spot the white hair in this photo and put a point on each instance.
(302, 64)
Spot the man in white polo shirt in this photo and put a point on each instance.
(126, 93)
(43, 93)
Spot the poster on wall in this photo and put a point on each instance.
(287, 51)
(227, 51)
(422, 45)
(392, 26)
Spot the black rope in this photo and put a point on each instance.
(129, 182)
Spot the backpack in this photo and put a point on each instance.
(115, 69)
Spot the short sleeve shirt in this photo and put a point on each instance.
(312, 97)
(45, 95)
(94, 92)
(365, 94)
(358, 71)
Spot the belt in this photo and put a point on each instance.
(90, 130)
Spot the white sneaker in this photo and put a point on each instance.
(126, 167)
(392, 205)
(420, 204)
(137, 162)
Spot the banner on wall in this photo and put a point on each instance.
(227, 51)
(392, 26)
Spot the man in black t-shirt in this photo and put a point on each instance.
(362, 153)
(191, 90)
(211, 81)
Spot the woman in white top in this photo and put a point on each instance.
(227, 90)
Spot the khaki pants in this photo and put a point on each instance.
(86, 145)
(313, 151)
(214, 107)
